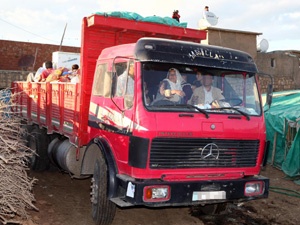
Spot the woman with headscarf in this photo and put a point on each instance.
(170, 88)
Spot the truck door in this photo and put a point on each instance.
(112, 95)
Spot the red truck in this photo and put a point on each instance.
(140, 150)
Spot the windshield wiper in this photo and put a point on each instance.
(198, 109)
(238, 110)
(174, 105)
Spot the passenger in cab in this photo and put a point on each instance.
(170, 88)
(197, 83)
(187, 88)
(147, 99)
(206, 94)
(126, 79)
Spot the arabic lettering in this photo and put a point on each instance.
(205, 53)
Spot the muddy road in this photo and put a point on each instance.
(65, 201)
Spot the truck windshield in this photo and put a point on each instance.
(169, 87)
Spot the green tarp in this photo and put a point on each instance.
(135, 16)
(283, 132)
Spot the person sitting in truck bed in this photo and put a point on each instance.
(38, 73)
(70, 75)
(170, 88)
(56, 75)
(126, 77)
(74, 74)
(46, 72)
(206, 94)
(176, 15)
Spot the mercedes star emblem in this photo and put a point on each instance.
(210, 151)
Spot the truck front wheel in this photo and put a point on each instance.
(211, 209)
(38, 142)
(103, 210)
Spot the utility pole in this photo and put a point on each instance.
(62, 38)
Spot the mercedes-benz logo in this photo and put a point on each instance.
(210, 151)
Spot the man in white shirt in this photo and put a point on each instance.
(206, 94)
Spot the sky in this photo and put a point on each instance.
(44, 21)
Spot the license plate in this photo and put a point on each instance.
(208, 195)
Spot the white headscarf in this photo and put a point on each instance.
(177, 85)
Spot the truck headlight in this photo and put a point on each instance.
(254, 188)
(156, 193)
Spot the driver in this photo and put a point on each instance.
(206, 93)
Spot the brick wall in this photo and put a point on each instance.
(23, 55)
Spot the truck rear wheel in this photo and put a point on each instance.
(103, 210)
(38, 142)
(26, 130)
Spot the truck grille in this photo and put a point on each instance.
(202, 153)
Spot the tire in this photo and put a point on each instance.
(26, 130)
(214, 209)
(38, 141)
(103, 210)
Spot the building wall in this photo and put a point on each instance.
(27, 56)
(18, 57)
(283, 66)
(286, 72)
(240, 40)
(8, 76)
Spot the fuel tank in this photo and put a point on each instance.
(65, 155)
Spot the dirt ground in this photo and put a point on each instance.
(65, 201)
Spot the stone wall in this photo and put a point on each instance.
(283, 66)
(8, 76)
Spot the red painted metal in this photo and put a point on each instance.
(65, 107)
(61, 105)
(100, 32)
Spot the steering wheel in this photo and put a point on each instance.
(162, 102)
(234, 101)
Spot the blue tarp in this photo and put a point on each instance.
(5, 96)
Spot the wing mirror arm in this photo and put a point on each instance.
(269, 94)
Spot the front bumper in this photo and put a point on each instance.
(183, 193)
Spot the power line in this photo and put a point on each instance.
(27, 31)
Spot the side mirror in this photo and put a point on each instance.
(269, 94)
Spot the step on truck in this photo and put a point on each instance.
(138, 149)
